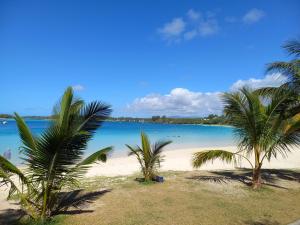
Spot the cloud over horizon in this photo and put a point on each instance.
(179, 102)
(184, 102)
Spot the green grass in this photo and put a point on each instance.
(188, 198)
(53, 221)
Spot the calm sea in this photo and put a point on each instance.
(118, 134)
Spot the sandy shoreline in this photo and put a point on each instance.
(176, 160)
(180, 160)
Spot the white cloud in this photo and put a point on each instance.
(193, 15)
(253, 16)
(179, 102)
(78, 87)
(190, 34)
(172, 29)
(271, 80)
(183, 102)
(195, 24)
(208, 27)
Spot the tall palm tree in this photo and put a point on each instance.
(290, 69)
(149, 157)
(54, 160)
(262, 128)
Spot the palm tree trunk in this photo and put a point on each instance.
(44, 206)
(147, 176)
(256, 178)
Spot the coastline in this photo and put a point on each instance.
(181, 160)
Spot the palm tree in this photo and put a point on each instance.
(54, 160)
(149, 157)
(290, 69)
(262, 127)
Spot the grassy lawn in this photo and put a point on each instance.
(191, 198)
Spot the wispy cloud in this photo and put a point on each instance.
(253, 16)
(190, 34)
(172, 30)
(193, 15)
(194, 24)
(208, 27)
(184, 102)
(78, 87)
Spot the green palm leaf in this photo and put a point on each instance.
(100, 155)
(200, 158)
(149, 157)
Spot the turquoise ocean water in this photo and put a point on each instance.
(118, 134)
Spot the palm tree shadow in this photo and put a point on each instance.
(263, 222)
(244, 176)
(10, 216)
(78, 200)
(69, 203)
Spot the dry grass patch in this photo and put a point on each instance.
(191, 198)
(195, 198)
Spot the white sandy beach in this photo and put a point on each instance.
(180, 160)
(176, 160)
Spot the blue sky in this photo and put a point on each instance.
(143, 57)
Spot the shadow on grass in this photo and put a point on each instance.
(10, 216)
(263, 222)
(69, 203)
(269, 176)
(77, 199)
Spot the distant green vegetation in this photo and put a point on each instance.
(6, 116)
(210, 119)
(9, 116)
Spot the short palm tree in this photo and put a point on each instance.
(263, 129)
(54, 160)
(149, 157)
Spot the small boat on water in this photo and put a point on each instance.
(4, 122)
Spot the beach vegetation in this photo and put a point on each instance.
(263, 126)
(149, 156)
(54, 160)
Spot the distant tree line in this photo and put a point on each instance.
(210, 119)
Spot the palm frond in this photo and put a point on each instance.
(100, 155)
(199, 158)
(26, 136)
(8, 167)
(93, 115)
(293, 47)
